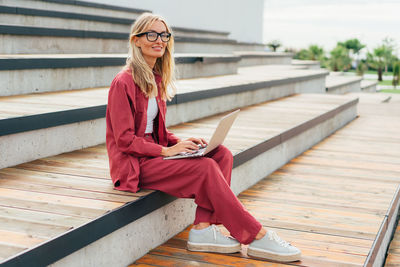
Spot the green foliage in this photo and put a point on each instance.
(361, 68)
(396, 74)
(274, 45)
(353, 45)
(340, 59)
(376, 60)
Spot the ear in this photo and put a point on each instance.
(136, 41)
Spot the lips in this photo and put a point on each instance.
(157, 48)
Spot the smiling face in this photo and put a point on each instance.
(152, 50)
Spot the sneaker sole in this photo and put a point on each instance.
(213, 248)
(272, 256)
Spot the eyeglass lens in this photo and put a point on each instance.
(152, 36)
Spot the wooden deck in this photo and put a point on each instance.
(329, 202)
(393, 258)
(45, 198)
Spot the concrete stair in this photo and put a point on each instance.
(340, 84)
(38, 125)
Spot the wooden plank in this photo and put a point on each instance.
(19, 239)
(7, 251)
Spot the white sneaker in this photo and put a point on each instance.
(272, 247)
(210, 239)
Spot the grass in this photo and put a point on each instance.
(386, 82)
(393, 91)
(389, 73)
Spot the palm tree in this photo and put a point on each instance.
(354, 46)
(274, 44)
(339, 59)
(316, 52)
(376, 60)
(396, 74)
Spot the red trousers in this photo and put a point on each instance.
(207, 180)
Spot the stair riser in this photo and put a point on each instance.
(24, 44)
(60, 23)
(157, 227)
(345, 88)
(16, 82)
(71, 8)
(255, 61)
(27, 146)
(371, 89)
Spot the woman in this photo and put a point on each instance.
(137, 140)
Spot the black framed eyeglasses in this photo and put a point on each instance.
(152, 36)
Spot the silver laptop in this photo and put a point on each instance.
(217, 138)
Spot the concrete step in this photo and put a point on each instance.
(341, 84)
(24, 74)
(75, 7)
(368, 85)
(38, 125)
(15, 39)
(254, 58)
(101, 224)
(77, 19)
(308, 64)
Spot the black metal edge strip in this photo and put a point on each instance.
(46, 120)
(51, 119)
(187, 39)
(199, 31)
(376, 245)
(61, 14)
(58, 63)
(41, 31)
(75, 239)
(67, 62)
(260, 148)
(96, 5)
(82, 236)
(266, 56)
(204, 94)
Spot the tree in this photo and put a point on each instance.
(316, 52)
(396, 74)
(274, 44)
(376, 60)
(388, 45)
(339, 59)
(354, 46)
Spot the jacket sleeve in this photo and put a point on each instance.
(122, 117)
(172, 139)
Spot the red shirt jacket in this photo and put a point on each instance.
(126, 120)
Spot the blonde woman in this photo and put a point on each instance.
(137, 140)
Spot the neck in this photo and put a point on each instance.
(150, 61)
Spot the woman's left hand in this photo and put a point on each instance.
(199, 141)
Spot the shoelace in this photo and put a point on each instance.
(273, 236)
(215, 230)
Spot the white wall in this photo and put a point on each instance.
(243, 19)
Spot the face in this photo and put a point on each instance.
(152, 50)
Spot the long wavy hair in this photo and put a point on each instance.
(165, 66)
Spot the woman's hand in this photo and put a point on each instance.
(189, 145)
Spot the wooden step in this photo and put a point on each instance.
(38, 125)
(24, 74)
(62, 191)
(324, 201)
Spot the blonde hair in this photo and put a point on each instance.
(165, 66)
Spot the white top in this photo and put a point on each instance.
(152, 111)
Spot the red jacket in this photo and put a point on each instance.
(126, 120)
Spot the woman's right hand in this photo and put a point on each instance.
(181, 147)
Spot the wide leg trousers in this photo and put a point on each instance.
(207, 180)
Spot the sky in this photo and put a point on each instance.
(299, 23)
